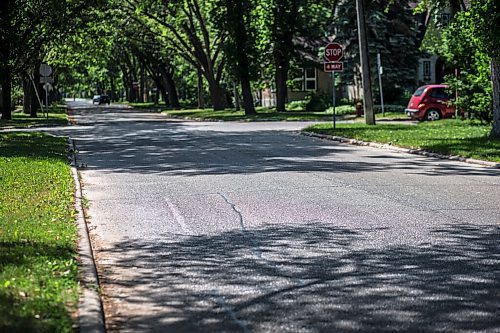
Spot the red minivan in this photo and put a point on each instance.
(430, 102)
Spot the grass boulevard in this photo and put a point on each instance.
(38, 259)
(38, 236)
(56, 117)
(464, 138)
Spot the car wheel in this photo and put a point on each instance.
(432, 115)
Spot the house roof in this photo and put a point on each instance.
(308, 48)
(414, 4)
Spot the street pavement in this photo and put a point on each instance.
(252, 227)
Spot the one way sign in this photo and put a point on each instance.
(333, 67)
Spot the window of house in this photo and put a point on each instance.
(427, 69)
(298, 81)
(445, 19)
(310, 79)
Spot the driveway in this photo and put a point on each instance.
(251, 227)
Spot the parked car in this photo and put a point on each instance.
(430, 102)
(101, 99)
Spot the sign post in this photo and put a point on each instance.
(380, 71)
(334, 115)
(46, 71)
(333, 54)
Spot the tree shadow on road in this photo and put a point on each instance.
(157, 146)
(306, 278)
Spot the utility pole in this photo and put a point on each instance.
(380, 71)
(365, 65)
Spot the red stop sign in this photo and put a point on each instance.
(333, 52)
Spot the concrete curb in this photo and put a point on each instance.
(402, 150)
(91, 314)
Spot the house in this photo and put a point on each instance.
(432, 68)
(311, 79)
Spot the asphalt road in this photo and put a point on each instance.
(251, 227)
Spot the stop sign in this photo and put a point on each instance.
(333, 52)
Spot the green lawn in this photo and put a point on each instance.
(38, 268)
(148, 105)
(57, 117)
(452, 136)
(262, 114)
(292, 114)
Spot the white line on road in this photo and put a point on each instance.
(219, 299)
(178, 217)
(215, 293)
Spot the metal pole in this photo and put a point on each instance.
(456, 92)
(46, 86)
(379, 67)
(32, 78)
(334, 120)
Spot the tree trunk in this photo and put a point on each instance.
(201, 98)
(455, 6)
(281, 88)
(27, 93)
(365, 65)
(126, 83)
(218, 95)
(5, 51)
(132, 90)
(127, 91)
(236, 97)
(160, 87)
(495, 79)
(169, 91)
(164, 95)
(246, 91)
(143, 94)
(30, 99)
(173, 97)
(6, 82)
(112, 94)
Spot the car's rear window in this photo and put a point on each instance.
(419, 91)
(439, 93)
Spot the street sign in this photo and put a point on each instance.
(330, 67)
(47, 86)
(334, 52)
(46, 79)
(45, 70)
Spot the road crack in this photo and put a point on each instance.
(256, 249)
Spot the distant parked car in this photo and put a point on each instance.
(101, 99)
(430, 102)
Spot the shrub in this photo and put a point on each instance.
(345, 101)
(343, 110)
(297, 105)
(317, 103)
